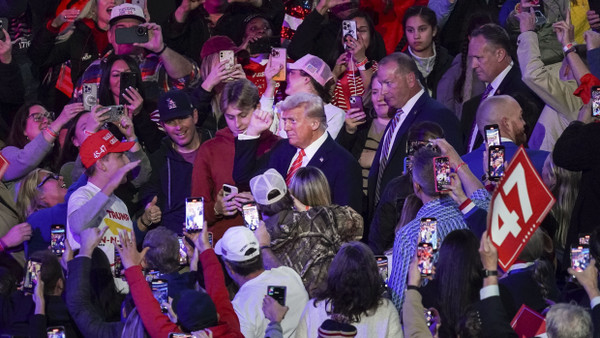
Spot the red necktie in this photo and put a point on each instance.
(295, 166)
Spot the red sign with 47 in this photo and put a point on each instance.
(519, 205)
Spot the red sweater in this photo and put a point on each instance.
(213, 168)
(159, 325)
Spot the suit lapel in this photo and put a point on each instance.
(322, 153)
(507, 81)
(408, 121)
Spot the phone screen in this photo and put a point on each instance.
(118, 265)
(580, 258)
(584, 239)
(183, 257)
(180, 335)
(160, 291)
(278, 293)
(31, 274)
(596, 101)
(57, 239)
(210, 239)
(407, 164)
(425, 256)
(56, 332)
(496, 162)
(442, 173)
(382, 266)
(492, 135)
(194, 214)
(428, 232)
(251, 216)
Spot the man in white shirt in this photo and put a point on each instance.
(240, 251)
(95, 204)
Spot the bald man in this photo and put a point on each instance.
(506, 112)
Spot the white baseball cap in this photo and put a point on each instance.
(263, 186)
(126, 10)
(238, 244)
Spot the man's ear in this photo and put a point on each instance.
(501, 54)
(315, 125)
(411, 79)
(194, 116)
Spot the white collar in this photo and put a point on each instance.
(408, 106)
(312, 149)
(498, 80)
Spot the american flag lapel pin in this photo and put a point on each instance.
(321, 159)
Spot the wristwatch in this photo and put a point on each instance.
(488, 273)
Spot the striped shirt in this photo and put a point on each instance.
(449, 218)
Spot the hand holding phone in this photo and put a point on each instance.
(278, 59)
(580, 257)
(194, 214)
(57, 239)
(382, 266)
(441, 166)
(425, 256)
(595, 100)
(32, 272)
(348, 29)
(129, 35)
(278, 293)
(251, 216)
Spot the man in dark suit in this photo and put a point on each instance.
(504, 111)
(308, 144)
(402, 90)
(490, 48)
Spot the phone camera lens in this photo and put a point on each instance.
(141, 31)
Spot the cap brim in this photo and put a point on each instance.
(113, 20)
(294, 66)
(122, 147)
(175, 115)
(218, 247)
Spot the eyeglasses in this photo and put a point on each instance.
(51, 176)
(37, 117)
(413, 146)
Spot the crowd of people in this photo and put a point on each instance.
(289, 168)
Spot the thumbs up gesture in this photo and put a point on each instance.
(152, 214)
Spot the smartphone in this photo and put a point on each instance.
(183, 257)
(382, 266)
(278, 293)
(194, 214)
(441, 165)
(227, 56)
(580, 257)
(278, 57)
(118, 265)
(596, 100)
(492, 135)
(251, 216)
(141, 3)
(90, 95)
(128, 79)
(210, 239)
(3, 25)
(57, 239)
(428, 317)
(115, 113)
(496, 163)
(595, 6)
(31, 275)
(584, 239)
(348, 29)
(356, 102)
(3, 165)
(425, 257)
(540, 18)
(407, 164)
(127, 35)
(160, 291)
(56, 332)
(428, 232)
(229, 189)
(180, 335)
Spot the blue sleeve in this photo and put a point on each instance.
(476, 220)
(593, 57)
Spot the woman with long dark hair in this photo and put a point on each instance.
(353, 295)
(420, 30)
(32, 141)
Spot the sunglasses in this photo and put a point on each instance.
(51, 176)
(37, 117)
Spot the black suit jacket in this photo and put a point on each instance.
(341, 169)
(425, 109)
(512, 85)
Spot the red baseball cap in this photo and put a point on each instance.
(98, 145)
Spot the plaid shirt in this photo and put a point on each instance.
(449, 218)
(151, 68)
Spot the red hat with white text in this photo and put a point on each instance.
(100, 144)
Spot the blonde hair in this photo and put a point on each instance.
(310, 186)
(210, 61)
(565, 189)
(29, 196)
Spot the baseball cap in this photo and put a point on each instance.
(268, 188)
(331, 328)
(100, 144)
(313, 66)
(216, 44)
(125, 11)
(238, 244)
(174, 104)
